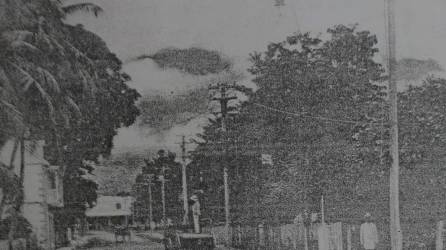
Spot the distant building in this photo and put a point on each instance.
(110, 211)
(43, 190)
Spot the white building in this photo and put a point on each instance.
(43, 189)
(110, 211)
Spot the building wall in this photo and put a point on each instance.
(36, 190)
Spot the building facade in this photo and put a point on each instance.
(110, 211)
(43, 190)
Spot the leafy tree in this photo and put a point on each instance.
(422, 117)
(60, 83)
(173, 186)
(300, 81)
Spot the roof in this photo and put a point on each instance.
(109, 206)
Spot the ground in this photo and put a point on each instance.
(136, 243)
(132, 246)
(140, 241)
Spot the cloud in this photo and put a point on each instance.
(410, 69)
(162, 112)
(236, 28)
(194, 61)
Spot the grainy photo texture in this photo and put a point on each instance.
(222, 124)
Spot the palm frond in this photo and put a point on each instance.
(29, 80)
(6, 87)
(49, 102)
(17, 35)
(79, 54)
(21, 44)
(26, 78)
(49, 79)
(50, 42)
(12, 108)
(87, 7)
(72, 104)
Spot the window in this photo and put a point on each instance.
(52, 179)
(118, 205)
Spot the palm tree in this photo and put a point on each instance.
(38, 70)
(23, 72)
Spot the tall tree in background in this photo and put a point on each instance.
(172, 175)
(299, 81)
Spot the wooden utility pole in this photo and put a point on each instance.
(396, 236)
(184, 176)
(322, 209)
(148, 177)
(150, 202)
(224, 99)
(163, 193)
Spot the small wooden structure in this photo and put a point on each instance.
(175, 239)
(123, 232)
(110, 211)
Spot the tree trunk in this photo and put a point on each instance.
(14, 151)
(2, 202)
(22, 162)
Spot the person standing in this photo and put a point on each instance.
(196, 213)
(368, 233)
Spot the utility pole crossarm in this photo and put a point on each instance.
(224, 99)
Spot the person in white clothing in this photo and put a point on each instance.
(368, 233)
(196, 213)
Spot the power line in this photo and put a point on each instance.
(313, 117)
(377, 123)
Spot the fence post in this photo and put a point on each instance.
(349, 237)
(306, 238)
(439, 238)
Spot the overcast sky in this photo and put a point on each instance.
(238, 27)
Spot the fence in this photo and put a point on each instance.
(341, 236)
(286, 237)
(18, 244)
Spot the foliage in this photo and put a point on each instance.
(335, 79)
(409, 69)
(161, 112)
(153, 173)
(422, 120)
(23, 229)
(61, 83)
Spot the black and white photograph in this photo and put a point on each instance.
(222, 125)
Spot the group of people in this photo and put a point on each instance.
(368, 235)
(195, 213)
(368, 230)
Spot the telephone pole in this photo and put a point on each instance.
(163, 193)
(396, 236)
(184, 176)
(148, 180)
(150, 202)
(224, 99)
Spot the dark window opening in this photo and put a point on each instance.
(52, 178)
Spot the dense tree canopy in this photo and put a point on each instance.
(314, 110)
(61, 83)
(321, 111)
(153, 174)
